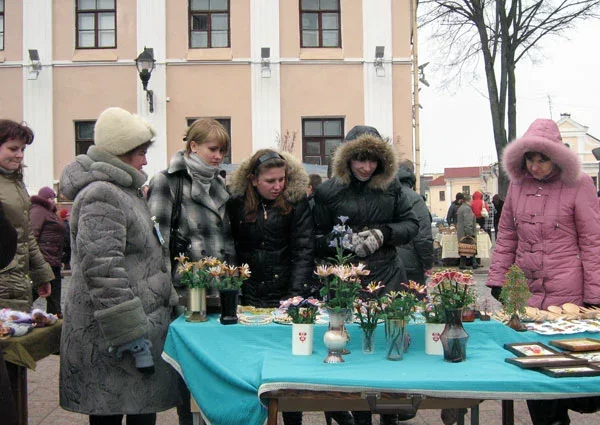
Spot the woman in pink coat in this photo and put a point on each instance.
(550, 228)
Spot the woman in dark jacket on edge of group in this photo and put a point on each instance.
(417, 255)
(49, 231)
(273, 231)
(365, 189)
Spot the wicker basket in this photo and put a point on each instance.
(467, 246)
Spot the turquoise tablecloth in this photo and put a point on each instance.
(228, 367)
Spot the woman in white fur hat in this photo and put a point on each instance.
(117, 310)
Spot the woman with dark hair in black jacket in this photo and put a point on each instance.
(272, 227)
(273, 231)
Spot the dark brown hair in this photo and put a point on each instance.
(13, 130)
(264, 159)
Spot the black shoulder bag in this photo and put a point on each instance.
(178, 243)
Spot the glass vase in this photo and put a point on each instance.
(454, 337)
(196, 305)
(229, 303)
(394, 338)
(335, 338)
(368, 341)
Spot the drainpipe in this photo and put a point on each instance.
(416, 104)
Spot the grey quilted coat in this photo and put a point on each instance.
(120, 291)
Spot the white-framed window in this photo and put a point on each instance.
(208, 24)
(96, 24)
(320, 23)
(320, 137)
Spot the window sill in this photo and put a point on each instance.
(95, 55)
(319, 53)
(213, 54)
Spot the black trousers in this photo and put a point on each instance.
(53, 301)
(145, 419)
(556, 412)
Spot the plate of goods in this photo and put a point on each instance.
(250, 315)
(280, 316)
(254, 319)
(556, 327)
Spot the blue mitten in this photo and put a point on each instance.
(140, 350)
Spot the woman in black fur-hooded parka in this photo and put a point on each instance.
(365, 189)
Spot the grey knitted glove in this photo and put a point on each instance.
(371, 242)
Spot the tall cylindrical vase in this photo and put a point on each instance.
(196, 305)
(433, 342)
(368, 341)
(335, 338)
(454, 337)
(394, 338)
(302, 339)
(229, 303)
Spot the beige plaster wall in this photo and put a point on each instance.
(64, 37)
(79, 96)
(352, 28)
(437, 207)
(401, 28)
(11, 93)
(402, 110)
(320, 91)
(13, 32)
(210, 91)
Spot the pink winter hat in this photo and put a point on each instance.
(544, 137)
(47, 193)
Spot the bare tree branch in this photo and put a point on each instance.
(500, 33)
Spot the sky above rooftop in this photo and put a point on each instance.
(456, 127)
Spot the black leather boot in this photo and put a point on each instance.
(548, 412)
(342, 418)
(388, 419)
(475, 263)
(463, 263)
(362, 418)
(292, 418)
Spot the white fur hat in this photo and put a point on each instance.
(118, 131)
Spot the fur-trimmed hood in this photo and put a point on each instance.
(43, 202)
(544, 137)
(98, 165)
(367, 143)
(297, 178)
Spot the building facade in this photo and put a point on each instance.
(291, 73)
(467, 180)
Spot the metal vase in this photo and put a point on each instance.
(196, 304)
(335, 339)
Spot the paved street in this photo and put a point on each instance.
(44, 408)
